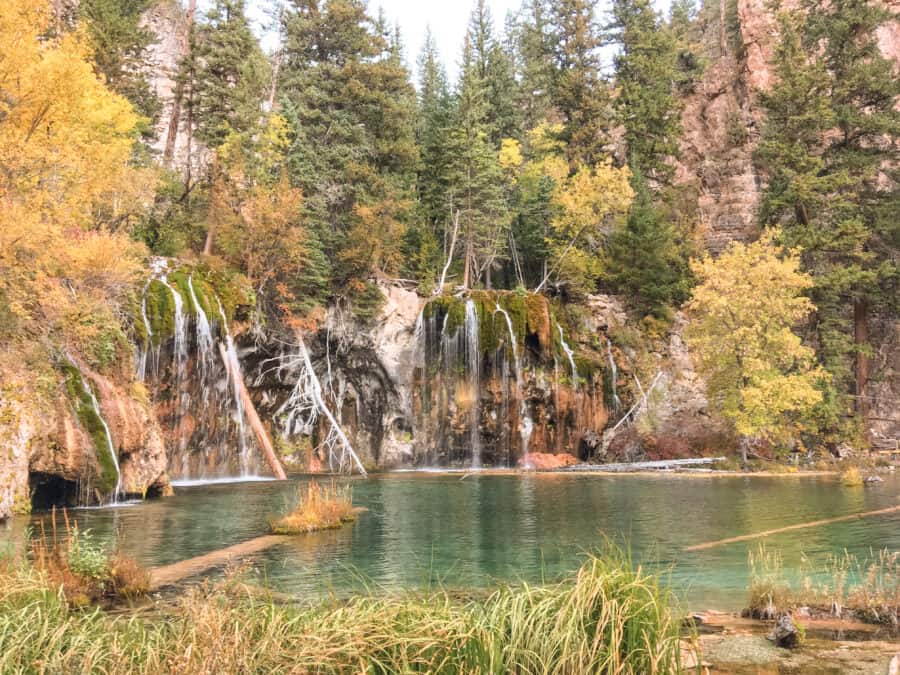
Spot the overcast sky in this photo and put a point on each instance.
(446, 18)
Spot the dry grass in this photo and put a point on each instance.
(318, 508)
(851, 477)
(844, 586)
(81, 569)
(606, 618)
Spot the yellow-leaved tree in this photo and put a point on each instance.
(584, 203)
(67, 193)
(759, 374)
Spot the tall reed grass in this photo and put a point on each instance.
(866, 588)
(606, 618)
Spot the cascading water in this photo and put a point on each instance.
(143, 352)
(473, 358)
(613, 375)
(111, 447)
(526, 425)
(570, 354)
(233, 368)
(205, 343)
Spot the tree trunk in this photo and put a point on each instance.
(861, 339)
(174, 120)
(256, 424)
(723, 40)
(467, 268)
(210, 238)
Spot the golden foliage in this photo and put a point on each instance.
(760, 375)
(67, 190)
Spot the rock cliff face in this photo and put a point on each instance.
(54, 452)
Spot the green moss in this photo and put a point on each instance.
(137, 320)
(83, 406)
(446, 305)
(179, 281)
(160, 311)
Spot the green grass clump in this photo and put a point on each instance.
(606, 618)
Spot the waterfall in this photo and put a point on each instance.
(569, 353)
(473, 358)
(181, 336)
(109, 439)
(205, 345)
(233, 368)
(142, 353)
(613, 375)
(526, 425)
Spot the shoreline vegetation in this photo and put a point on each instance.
(609, 616)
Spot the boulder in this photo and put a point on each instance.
(540, 461)
(786, 634)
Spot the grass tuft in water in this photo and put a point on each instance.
(607, 618)
(81, 570)
(844, 586)
(318, 508)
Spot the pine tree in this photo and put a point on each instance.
(476, 177)
(645, 262)
(685, 28)
(118, 42)
(351, 108)
(645, 75)
(230, 75)
(536, 54)
(831, 130)
(434, 122)
(579, 93)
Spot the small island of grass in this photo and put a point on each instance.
(318, 508)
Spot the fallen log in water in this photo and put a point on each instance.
(659, 465)
(171, 574)
(262, 436)
(790, 528)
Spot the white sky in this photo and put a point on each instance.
(446, 18)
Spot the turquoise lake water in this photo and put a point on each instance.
(474, 530)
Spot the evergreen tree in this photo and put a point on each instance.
(832, 130)
(230, 74)
(579, 93)
(347, 96)
(645, 75)
(686, 31)
(118, 43)
(645, 262)
(477, 183)
(434, 122)
(536, 54)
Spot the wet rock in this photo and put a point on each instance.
(873, 480)
(539, 461)
(786, 633)
(843, 451)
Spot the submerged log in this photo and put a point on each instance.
(658, 465)
(256, 424)
(790, 528)
(171, 574)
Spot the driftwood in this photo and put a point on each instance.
(256, 424)
(659, 465)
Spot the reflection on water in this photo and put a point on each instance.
(475, 530)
